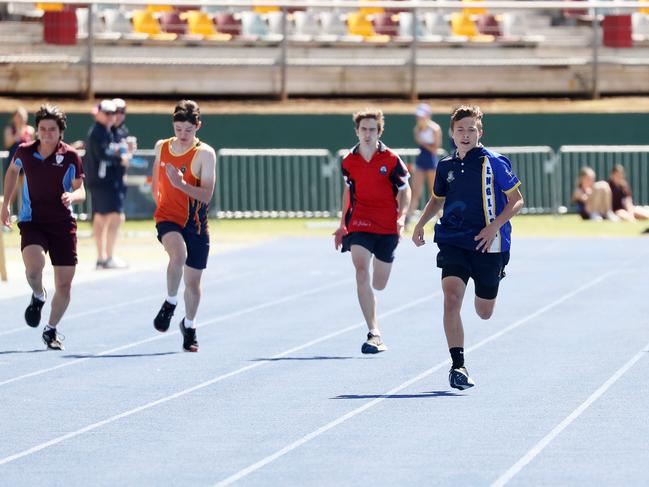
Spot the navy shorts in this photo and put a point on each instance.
(198, 246)
(425, 160)
(59, 239)
(486, 269)
(107, 200)
(382, 246)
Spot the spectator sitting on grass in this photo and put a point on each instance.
(594, 199)
(622, 198)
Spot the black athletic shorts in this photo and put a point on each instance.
(382, 246)
(198, 246)
(107, 200)
(486, 269)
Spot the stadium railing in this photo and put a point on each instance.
(276, 182)
(602, 158)
(268, 183)
(519, 48)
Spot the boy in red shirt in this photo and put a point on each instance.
(375, 201)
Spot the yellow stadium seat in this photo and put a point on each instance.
(359, 25)
(200, 23)
(473, 11)
(50, 7)
(264, 9)
(159, 8)
(644, 10)
(462, 25)
(371, 10)
(144, 22)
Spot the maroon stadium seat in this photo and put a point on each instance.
(227, 24)
(172, 23)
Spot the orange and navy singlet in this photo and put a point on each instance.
(172, 204)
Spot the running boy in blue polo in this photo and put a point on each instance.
(479, 193)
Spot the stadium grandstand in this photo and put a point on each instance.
(324, 48)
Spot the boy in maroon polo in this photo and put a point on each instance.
(375, 201)
(53, 182)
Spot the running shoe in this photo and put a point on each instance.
(33, 311)
(190, 344)
(115, 263)
(459, 378)
(163, 318)
(53, 340)
(374, 344)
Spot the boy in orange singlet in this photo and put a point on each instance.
(184, 174)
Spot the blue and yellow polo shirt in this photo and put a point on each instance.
(476, 190)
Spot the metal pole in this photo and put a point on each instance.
(90, 85)
(595, 61)
(413, 58)
(283, 95)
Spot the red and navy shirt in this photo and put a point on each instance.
(46, 179)
(373, 187)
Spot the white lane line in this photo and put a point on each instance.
(160, 336)
(202, 385)
(122, 304)
(545, 441)
(314, 434)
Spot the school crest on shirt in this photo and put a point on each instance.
(383, 169)
(450, 177)
(58, 160)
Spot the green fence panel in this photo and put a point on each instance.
(535, 166)
(275, 182)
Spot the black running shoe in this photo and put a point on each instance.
(374, 344)
(163, 318)
(53, 340)
(459, 378)
(190, 344)
(33, 312)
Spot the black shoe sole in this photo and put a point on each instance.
(33, 321)
(162, 328)
(370, 349)
(182, 332)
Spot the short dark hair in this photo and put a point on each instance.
(52, 112)
(466, 111)
(369, 113)
(187, 111)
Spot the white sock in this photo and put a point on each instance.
(375, 332)
(189, 323)
(41, 296)
(49, 327)
(172, 300)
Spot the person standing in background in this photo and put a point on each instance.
(17, 132)
(105, 162)
(428, 136)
